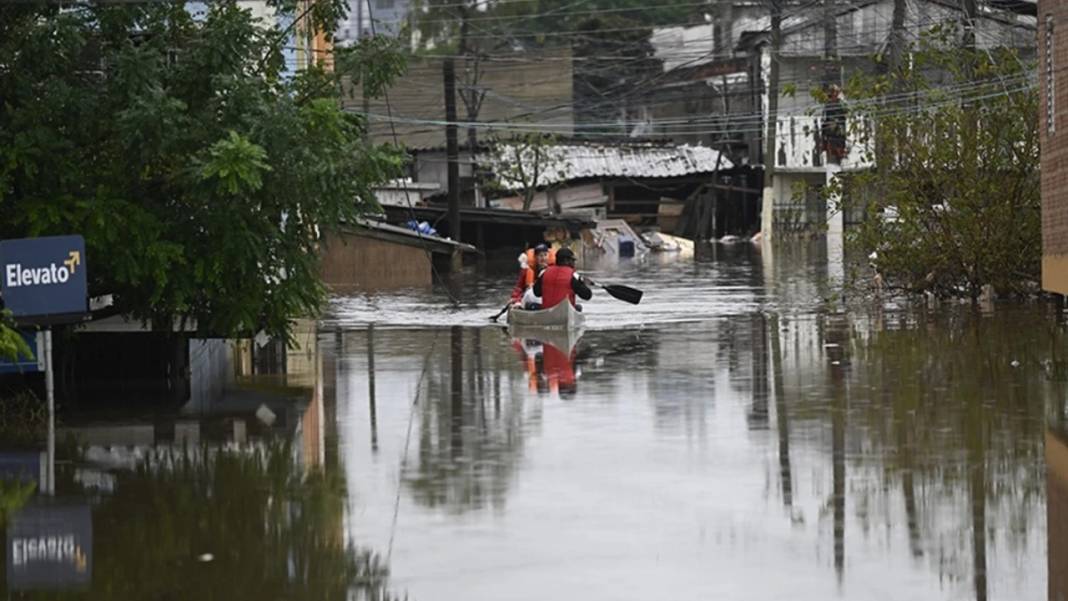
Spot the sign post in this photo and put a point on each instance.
(43, 282)
(50, 478)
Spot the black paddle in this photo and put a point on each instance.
(494, 318)
(623, 293)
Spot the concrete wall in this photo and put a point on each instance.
(798, 207)
(355, 263)
(524, 88)
(1053, 129)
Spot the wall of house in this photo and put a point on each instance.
(1053, 129)
(798, 205)
(432, 167)
(525, 88)
(355, 263)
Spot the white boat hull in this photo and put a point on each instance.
(561, 317)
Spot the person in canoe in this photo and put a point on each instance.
(532, 263)
(561, 281)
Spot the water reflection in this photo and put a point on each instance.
(776, 450)
(213, 502)
(466, 445)
(900, 453)
(549, 358)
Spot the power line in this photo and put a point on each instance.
(752, 119)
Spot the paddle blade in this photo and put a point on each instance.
(624, 293)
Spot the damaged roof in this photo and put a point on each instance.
(568, 162)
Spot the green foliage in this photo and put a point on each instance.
(953, 202)
(12, 346)
(13, 496)
(372, 63)
(198, 168)
(236, 164)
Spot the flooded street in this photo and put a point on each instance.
(735, 436)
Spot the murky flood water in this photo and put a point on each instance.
(733, 437)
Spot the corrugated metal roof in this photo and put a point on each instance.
(561, 163)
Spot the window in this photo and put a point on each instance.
(1051, 81)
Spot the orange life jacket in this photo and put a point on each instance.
(532, 261)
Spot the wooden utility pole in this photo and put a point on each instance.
(767, 217)
(897, 36)
(452, 150)
(470, 94)
(971, 123)
(971, 13)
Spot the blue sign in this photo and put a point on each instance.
(43, 276)
(50, 547)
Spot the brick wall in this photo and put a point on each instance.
(1053, 129)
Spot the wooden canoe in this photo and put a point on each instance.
(561, 317)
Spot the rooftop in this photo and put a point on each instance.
(569, 162)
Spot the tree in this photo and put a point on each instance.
(12, 346)
(524, 163)
(197, 166)
(954, 203)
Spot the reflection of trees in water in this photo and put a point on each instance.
(273, 528)
(469, 433)
(941, 425)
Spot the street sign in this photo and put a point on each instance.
(43, 276)
(50, 547)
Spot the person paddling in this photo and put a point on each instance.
(522, 294)
(561, 281)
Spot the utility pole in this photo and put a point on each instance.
(897, 36)
(832, 134)
(471, 96)
(451, 148)
(971, 123)
(768, 210)
(971, 13)
(359, 19)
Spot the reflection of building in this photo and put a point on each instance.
(1057, 514)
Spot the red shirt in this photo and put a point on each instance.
(558, 282)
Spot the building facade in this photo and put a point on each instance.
(1053, 105)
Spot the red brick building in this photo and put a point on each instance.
(1053, 129)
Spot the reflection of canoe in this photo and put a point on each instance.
(565, 340)
(562, 317)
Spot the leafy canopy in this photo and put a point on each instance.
(953, 202)
(179, 140)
